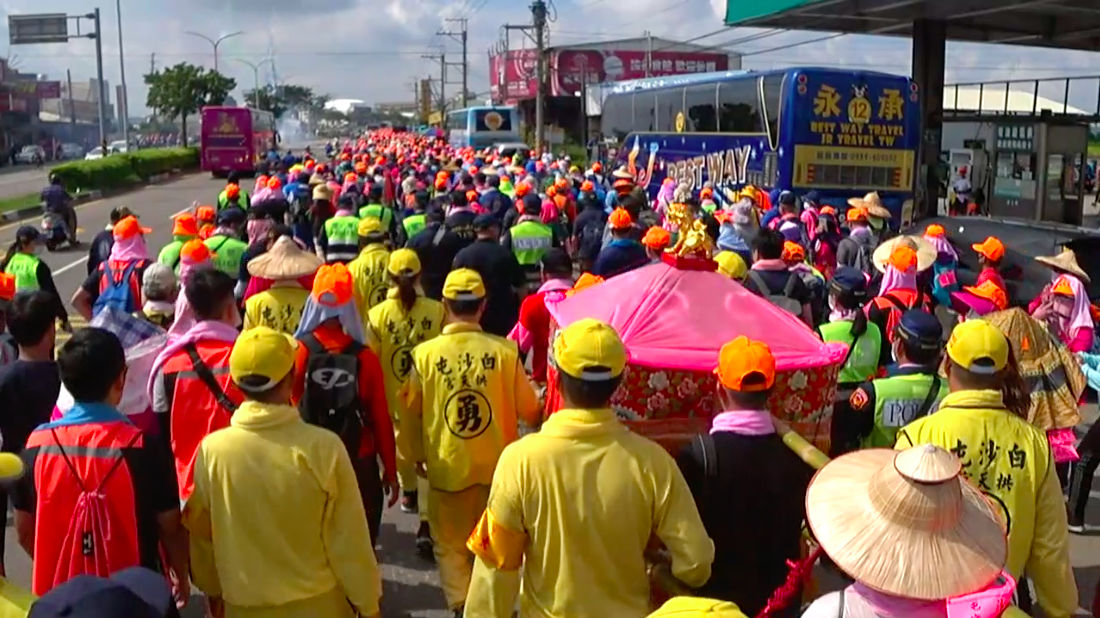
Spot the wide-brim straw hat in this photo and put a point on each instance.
(285, 260)
(622, 173)
(906, 523)
(1065, 261)
(926, 252)
(873, 203)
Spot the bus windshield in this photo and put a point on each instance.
(839, 133)
(481, 127)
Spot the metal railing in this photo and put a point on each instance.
(1077, 97)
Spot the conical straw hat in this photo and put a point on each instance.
(906, 523)
(873, 203)
(284, 260)
(1065, 261)
(926, 252)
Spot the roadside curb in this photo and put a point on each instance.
(90, 196)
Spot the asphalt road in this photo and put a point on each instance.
(22, 180)
(411, 585)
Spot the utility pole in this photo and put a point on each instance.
(441, 58)
(460, 36)
(538, 14)
(152, 63)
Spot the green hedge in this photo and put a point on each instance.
(119, 171)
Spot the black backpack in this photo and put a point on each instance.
(331, 397)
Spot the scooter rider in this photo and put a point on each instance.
(55, 199)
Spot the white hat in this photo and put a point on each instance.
(906, 523)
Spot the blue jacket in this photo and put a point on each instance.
(618, 257)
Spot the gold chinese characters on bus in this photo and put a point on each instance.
(861, 119)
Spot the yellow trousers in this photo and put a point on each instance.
(406, 473)
(453, 517)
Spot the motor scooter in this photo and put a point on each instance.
(53, 231)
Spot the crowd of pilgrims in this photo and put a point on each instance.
(370, 327)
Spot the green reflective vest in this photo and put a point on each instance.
(898, 401)
(24, 267)
(170, 255)
(530, 241)
(227, 254)
(863, 360)
(415, 223)
(378, 211)
(342, 230)
(242, 200)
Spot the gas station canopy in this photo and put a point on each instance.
(1062, 24)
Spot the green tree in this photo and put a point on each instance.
(281, 99)
(184, 89)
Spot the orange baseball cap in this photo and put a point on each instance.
(1062, 287)
(185, 225)
(273, 183)
(992, 248)
(551, 191)
(992, 292)
(232, 191)
(902, 258)
(620, 219)
(934, 231)
(793, 252)
(707, 192)
(7, 286)
(196, 252)
(350, 177)
(656, 238)
(857, 213)
(827, 210)
(333, 285)
(587, 186)
(127, 228)
(522, 189)
(471, 195)
(586, 280)
(206, 214)
(746, 365)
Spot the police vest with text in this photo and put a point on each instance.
(378, 211)
(331, 396)
(901, 400)
(530, 241)
(863, 354)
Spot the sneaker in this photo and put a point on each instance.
(409, 502)
(1077, 528)
(424, 544)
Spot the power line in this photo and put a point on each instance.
(371, 52)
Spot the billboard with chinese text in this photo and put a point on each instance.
(512, 75)
(570, 68)
(840, 133)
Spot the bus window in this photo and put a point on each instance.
(644, 112)
(773, 98)
(700, 107)
(615, 120)
(458, 120)
(738, 107)
(669, 104)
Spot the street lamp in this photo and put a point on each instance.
(215, 42)
(256, 76)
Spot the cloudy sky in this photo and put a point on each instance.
(371, 49)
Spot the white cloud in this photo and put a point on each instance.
(371, 49)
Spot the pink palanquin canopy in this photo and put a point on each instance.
(678, 319)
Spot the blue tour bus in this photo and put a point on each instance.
(841, 133)
(481, 127)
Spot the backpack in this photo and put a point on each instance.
(898, 307)
(590, 241)
(783, 300)
(118, 290)
(331, 396)
(863, 259)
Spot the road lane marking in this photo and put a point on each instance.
(70, 266)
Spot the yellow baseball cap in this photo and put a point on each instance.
(11, 466)
(463, 284)
(261, 358)
(404, 262)
(370, 225)
(690, 607)
(978, 347)
(589, 350)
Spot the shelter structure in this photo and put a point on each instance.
(1061, 24)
